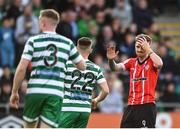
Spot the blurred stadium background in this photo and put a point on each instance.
(104, 21)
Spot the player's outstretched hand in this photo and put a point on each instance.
(14, 100)
(111, 52)
(94, 104)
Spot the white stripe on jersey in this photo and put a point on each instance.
(45, 91)
(30, 48)
(67, 85)
(26, 56)
(101, 80)
(75, 101)
(67, 93)
(74, 68)
(73, 51)
(77, 59)
(47, 53)
(133, 82)
(47, 82)
(76, 109)
(45, 44)
(142, 99)
(41, 62)
(142, 87)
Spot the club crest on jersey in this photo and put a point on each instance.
(147, 67)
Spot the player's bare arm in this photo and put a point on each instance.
(18, 78)
(154, 57)
(81, 65)
(102, 95)
(111, 55)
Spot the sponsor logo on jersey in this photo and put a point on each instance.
(139, 79)
(48, 72)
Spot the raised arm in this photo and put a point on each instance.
(111, 55)
(158, 63)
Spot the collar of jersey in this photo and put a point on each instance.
(49, 32)
(140, 63)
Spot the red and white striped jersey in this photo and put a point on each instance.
(143, 79)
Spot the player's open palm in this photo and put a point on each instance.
(14, 100)
(111, 52)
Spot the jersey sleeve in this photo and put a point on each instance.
(75, 57)
(127, 64)
(100, 77)
(28, 50)
(153, 66)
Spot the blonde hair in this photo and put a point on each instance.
(147, 37)
(50, 14)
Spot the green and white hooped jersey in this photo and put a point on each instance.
(79, 86)
(49, 53)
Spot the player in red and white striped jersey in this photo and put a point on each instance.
(144, 70)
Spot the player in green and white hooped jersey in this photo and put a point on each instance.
(48, 53)
(79, 86)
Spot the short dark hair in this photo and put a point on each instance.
(84, 42)
(52, 14)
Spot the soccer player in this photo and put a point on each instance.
(48, 53)
(144, 70)
(79, 86)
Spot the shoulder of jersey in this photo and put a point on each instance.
(129, 60)
(57, 35)
(35, 36)
(92, 64)
(63, 37)
(69, 62)
(132, 59)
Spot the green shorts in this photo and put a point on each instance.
(43, 106)
(73, 119)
